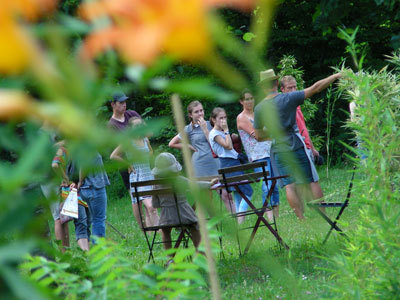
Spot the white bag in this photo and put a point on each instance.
(70, 207)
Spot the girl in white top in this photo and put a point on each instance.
(221, 143)
(139, 171)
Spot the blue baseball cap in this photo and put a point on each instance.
(119, 97)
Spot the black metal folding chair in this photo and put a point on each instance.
(342, 205)
(248, 178)
(219, 225)
(160, 187)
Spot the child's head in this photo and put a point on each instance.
(195, 111)
(135, 121)
(165, 165)
(217, 114)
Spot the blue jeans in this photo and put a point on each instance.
(97, 202)
(82, 224)
(246, 189)
(296, 165)
(274, 201)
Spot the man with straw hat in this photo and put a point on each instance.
(275, 117)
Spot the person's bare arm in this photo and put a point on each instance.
(261, 135)
(150, 148)
(60, 171)
(225, 142)
(203, 126)
(176, 143)
(314, 151)
(320, 85)
(117, 155)
(81, 179)
(244, 124)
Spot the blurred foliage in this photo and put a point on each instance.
(110, 275)
(70, 94)
(69, 6)
(369, 266)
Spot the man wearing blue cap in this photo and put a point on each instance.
(119, 121)
(120, 117)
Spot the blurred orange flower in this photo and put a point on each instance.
(141, 29)
(15, 45)
(15, 105)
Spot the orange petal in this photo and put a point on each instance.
(30, 9)
(188, 43)
(141, 44)
(188, 38)
(14, 51)
(100, 41)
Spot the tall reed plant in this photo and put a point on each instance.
(369, 267)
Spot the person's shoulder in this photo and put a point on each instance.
(188, 128)
(131, 113)
(258, 106)
(240, 117)
(263, 103)
(213, 132)
(114, 125)
(111, 122)
(296, 94)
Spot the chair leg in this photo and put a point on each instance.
(276, 229)
(345, 204)
(253, 233)
(330, 231)
(116, 230)
(260, 218)
(151, 256)
(219, 229)
(334, 224)
(330, 222)
(180, 238)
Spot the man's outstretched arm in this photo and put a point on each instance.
(321, 85)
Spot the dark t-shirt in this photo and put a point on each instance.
(118, 125)
(286, 105)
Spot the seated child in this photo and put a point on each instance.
(166, 166)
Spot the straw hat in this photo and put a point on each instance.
(165, 162)
(267, 75)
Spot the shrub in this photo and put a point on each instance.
(369, 267)
(110, 275)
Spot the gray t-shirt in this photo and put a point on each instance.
(97, 178)
(204, 164)
(286, 105)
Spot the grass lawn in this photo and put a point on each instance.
(266, 272)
